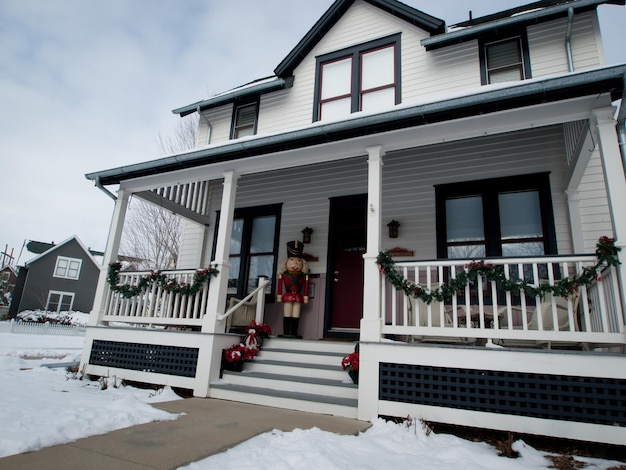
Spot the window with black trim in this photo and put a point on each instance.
(504, 59)
(67, 268)
(59, 301)
(360, 78)
(244, 120)
(253, 249)
(509, 216)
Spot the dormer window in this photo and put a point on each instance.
(360, 78)
(244, 120)
(504, 60)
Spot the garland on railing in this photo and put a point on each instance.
(606, 252)
(156, 277)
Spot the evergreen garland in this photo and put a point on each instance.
(606, 253)
(160, 279)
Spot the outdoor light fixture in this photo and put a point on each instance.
(393, 228)
(306, 235)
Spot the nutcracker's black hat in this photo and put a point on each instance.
(294, 249)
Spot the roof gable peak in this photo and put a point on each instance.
(409, 14)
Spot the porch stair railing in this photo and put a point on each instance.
(294, 374)
(592, 316)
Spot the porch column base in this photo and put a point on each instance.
(368, 383)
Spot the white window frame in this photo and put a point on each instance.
(58, 270)
(61, 295)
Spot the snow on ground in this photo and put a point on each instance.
(44, 406)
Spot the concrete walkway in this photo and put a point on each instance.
(208, 427)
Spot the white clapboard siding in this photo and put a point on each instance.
(546, 42)
(409, 178)
(220, 119)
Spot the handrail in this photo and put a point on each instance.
(263, 281)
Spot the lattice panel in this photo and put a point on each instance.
(559, 397)
(170, 360)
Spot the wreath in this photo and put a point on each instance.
(166, 283)
(606, 253)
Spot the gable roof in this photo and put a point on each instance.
(533, 13)
(63, 243)
(409, 14)
(284, 70)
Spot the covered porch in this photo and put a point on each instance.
(415, 325)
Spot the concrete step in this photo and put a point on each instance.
(292, 383)
(293, 369)
(327, 346)
(294, 374)
(300, 356)
(312, 403)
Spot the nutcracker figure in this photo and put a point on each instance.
(293, 287)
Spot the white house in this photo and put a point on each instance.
(497, 147)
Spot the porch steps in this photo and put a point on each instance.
(294, 374)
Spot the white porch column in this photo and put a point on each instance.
(216, 302)
(615, 182)
(110, 255)
(575, 219)
(371, 323)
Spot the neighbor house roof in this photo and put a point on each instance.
(284, 70)
(534, 13)
(484, 100)
(56, 247)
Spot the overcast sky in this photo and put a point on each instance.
(89, 85)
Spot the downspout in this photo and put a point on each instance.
(105, 190)
(208, 123)
(568, 39)
(621, 123)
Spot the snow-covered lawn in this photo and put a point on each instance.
(44, 406)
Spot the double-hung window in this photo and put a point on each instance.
(360, 78)
(245, 120)
(253, 249)
(67, 268)
(498, 217)
(504, 59)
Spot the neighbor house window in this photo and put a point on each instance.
(244, 120)
(498, 217)
(59, 301)
(361, 78)
(68, 268)
(505, 60)
(253, 248)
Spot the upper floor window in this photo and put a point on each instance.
(360, 78)
(505, 60)
(245, 120)
(68, 268)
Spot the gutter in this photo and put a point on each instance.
(103, 189)
(532, 17)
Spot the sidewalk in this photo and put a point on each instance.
(208, 427)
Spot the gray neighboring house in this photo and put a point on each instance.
(60, 279)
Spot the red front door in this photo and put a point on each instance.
(347, 236)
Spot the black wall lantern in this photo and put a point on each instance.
(306, 235)
(393, 228)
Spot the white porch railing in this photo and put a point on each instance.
(156, 305)
(592, 316)
(259, 293)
